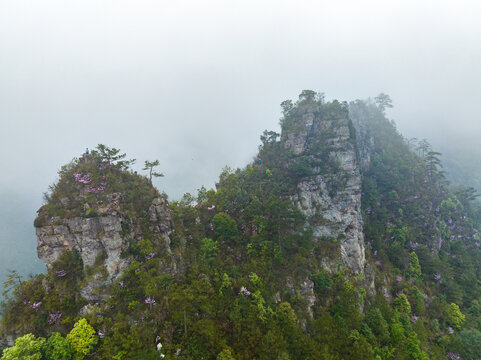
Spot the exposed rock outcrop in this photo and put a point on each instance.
(330, 193)
(90, 236)
(160, 217)
(101, 240)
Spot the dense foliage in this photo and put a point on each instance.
(242, 252)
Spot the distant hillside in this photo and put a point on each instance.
(463, 165)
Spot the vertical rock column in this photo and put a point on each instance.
(330, 196)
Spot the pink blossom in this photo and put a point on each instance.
(149, 301)
(98, 189)
(211, 207)
(61, 273)
(453, 356)
(244, 291)
(54, 318)
(84, 179)
(399, 278)
(36, 305)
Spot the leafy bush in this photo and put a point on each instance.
(209, 249)
(58, 348)
(224, 226)
(26, 347)
(82, 338)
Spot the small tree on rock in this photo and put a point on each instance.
(383, 101)
(150, 165)
(112, 155)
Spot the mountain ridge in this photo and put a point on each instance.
(338, 241)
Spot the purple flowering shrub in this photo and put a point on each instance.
(87, 180)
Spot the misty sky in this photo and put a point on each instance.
(194, 83)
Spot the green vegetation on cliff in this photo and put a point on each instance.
(90, 178)
(244, 277)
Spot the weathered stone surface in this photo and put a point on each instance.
(100, 240)
(91, 237)
(7, 341)
(161, 220)
(307, 292)
(297, 141)
(330, 197)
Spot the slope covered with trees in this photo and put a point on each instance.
(245, 277)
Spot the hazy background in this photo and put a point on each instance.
(194, 83)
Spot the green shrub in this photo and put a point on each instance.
(209, 248)
(224, 226)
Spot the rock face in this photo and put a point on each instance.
(330, 194)
(100, 240)
(160, 217)
(91, 237)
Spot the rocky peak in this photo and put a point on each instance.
(322, 136)
(84, 216)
